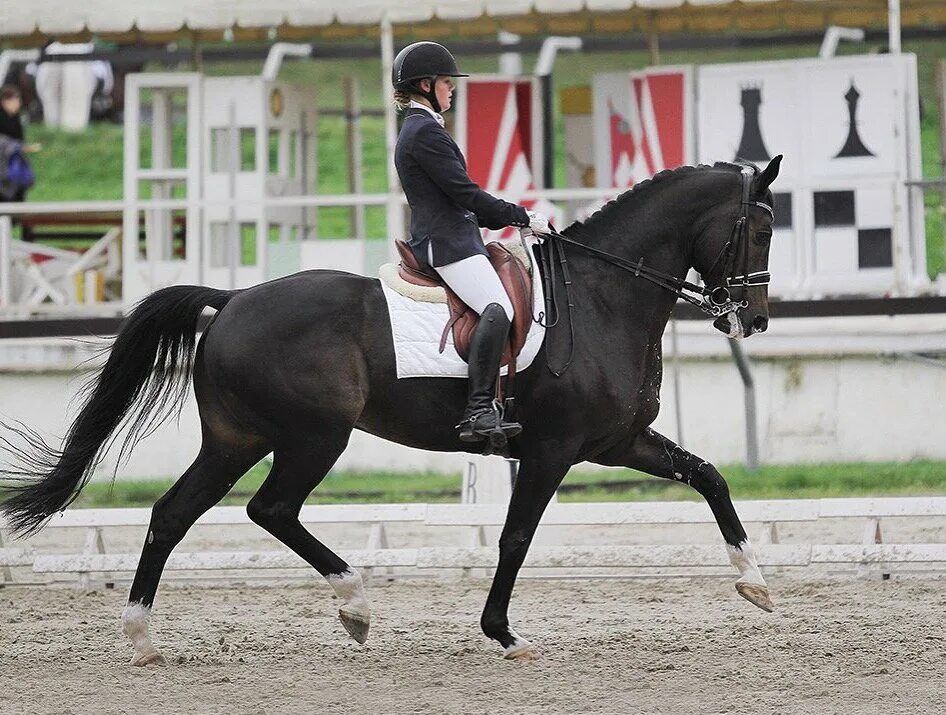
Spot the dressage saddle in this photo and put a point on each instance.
(462, 321)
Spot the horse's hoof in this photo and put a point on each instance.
(522, 653)
(152, 658)
(356, 624)
(756, 595)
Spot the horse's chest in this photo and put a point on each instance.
(619, 389)
(632, 404)
(639, 400)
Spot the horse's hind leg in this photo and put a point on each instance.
(214, 472)
(298, 467)
(655, 454)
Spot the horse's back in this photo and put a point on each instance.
(285, 335)
(325, 298)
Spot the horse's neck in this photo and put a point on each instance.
(663, 247)
(632, 304)
(661, 225)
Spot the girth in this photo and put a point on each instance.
(463, 320)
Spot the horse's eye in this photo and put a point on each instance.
(763, 235)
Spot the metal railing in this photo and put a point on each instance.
(9, 264)
(570, 200)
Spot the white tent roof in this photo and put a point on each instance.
(109, 16)
(75, 18)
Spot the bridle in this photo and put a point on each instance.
(737, 247)
(716, 301)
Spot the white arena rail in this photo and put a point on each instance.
(869, 556)
(94, 521)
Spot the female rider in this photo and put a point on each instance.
(447, 209)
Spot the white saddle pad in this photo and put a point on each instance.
(417, 326)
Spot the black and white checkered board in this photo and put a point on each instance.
(852, 229)
(852, 238)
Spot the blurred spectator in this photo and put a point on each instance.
(16, 174)
(11, 102)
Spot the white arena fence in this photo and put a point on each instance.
(870, 557)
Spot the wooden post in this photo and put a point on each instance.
(94, 544)
(6, 261)
(6, 575)
(477, 539)
(395, 214)
(941, 102)
(377, 539)
(653, 45)
(769, 533)
(356, 182)
(197, 53)
(872, 534)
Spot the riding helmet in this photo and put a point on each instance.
(422, 60)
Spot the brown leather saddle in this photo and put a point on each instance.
(516, 280)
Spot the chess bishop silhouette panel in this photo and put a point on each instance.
(849, 130)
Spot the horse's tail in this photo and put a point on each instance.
(146, 375)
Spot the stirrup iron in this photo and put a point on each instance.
(493, 428)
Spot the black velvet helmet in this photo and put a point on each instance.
(422, 60)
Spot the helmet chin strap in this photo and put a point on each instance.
(431, 95)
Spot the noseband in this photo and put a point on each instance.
(715, 301)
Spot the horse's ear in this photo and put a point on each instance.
(768, 175)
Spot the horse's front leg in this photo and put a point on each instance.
(654, 454)
(536, 482)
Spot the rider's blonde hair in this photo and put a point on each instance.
(402, 100)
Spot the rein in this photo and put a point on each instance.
(547, 260)
(715, 301)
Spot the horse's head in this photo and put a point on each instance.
(732, 254)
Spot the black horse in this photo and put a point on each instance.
(294, 365)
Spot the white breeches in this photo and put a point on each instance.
(476, 282)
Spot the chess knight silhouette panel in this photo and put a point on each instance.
(849, 130)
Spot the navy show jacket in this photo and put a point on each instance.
(447, 207)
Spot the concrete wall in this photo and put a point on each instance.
(812, 410)
(859, 406)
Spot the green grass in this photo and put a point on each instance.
(787, 482)
(339, 487)
(85, 166)
(771, 482)
(89, 165)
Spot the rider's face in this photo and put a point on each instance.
(443, 88)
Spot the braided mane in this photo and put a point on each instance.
(642, 190)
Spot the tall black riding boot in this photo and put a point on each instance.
(483, 418)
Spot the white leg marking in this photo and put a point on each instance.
(744, 559)
(349, 587)
(519, 645)
(354, 612)
(135, 625)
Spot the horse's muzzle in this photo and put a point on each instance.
(729, 325)
(734, 326)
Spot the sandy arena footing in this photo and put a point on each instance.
(610, 646)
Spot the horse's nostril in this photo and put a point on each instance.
(760, 323)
